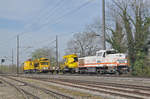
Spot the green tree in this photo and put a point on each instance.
(45, 52)
(135, 19)
(117, 38)
(85, 43)
(42, 52)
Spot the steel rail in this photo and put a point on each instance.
(57, 95)
(95, 85)
(17, 88)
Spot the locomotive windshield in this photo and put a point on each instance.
(111, 52)
(44, 63)
(100, 54)
(36, 64)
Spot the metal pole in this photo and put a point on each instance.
(12, 60)
(1, 67)
(103, 26)
(17, 54)
(57, 50)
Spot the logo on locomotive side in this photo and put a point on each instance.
(98, 61)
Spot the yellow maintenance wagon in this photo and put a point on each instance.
(70, 63)
(44, 65)
(29, 66)
(37, 65)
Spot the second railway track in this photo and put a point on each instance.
(121, 90)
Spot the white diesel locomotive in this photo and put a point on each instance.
(105, 61)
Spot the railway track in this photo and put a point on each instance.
(121, 90)
(54, 94)
(134, 89)
(86, 75)
(127, 77)
(24, 93)
(104, 89)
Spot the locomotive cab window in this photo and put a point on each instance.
(65, 60)
(45, 59)
(111, 52)
(75, 59)
(100, 54)
(36, 64)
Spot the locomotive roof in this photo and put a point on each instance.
(106, 50)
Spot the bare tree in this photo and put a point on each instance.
(84, 44)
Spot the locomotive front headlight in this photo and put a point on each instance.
(45, 67)
(126, 61)
(118, 61)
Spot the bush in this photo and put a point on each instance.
(141, 66)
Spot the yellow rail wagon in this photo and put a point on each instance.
(44, 65)
(71, 63)
(29, 66)
(37, 65)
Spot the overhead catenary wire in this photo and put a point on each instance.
(79, 7)
(53, 9)
(59, 11)
(49, 42)
(71, 11)
(59, 19)
(74, 10)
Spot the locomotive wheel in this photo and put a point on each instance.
(72, 71)
(117, 73)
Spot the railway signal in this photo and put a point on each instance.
(2, 61)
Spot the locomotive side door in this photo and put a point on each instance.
(101, 58)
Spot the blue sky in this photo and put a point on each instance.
(41, 20)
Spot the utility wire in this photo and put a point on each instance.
(59, 4)
(58, 7)
(42, 16)
(72, 11)
(51, 42)
(59, 19)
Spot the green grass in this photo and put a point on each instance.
(10, 69)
